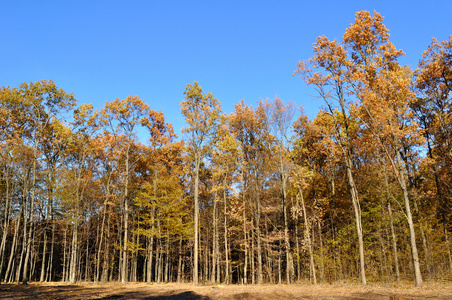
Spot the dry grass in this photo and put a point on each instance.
(187, 291)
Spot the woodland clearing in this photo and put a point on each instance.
(58, 290)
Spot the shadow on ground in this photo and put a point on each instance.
(145, 296)
(60, 292)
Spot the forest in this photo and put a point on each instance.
(360, 193)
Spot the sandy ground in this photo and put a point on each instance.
(172, 291)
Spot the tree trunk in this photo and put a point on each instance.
(226, 250)
(357, 211)
(258, 234)
(391, 221)
(401, 177)
(394, 242)
(245, 242)
(5, 223)
(322, 266)
(312, 273)
(279, 264)
(269, 258)
(49, 276)
(124, 268)
(106, 260)
(64, 253)
(13, 246)
(253, 272)
(74, 256)
(179, 264)
(43, 263)
(289, 259)
(297, 243)
(30, 230)
(102, 228)
(196, 217)
(214, 239)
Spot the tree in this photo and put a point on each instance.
(224, 169)
(384, 89)
(164, 159)
(43, 101)
(79, 152)
(122, 117)
(326, 70)
(280, 117)
(433, 82)
(202, 114)
(250, 129)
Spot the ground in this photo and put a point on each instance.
(173, 291)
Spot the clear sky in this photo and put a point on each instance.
(102, 50)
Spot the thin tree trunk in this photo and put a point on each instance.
(297, 243)
(322, 266)
(33, 255)
(214, 239)
(64, 254)
(279, 263)
(312, 272)
(196, 219)
(269, 264)
(391, 221)
(427, 261)
(30, 231)
(126, 220)
(74, 256)
(253, 272)
(43, 263)
(106, 262)
(394, 242)
(13, 246)
(217, 248)
(167, 258)
(245, 242)
(151, 247)
(205, 273)
(102, 228)
(149, 260)
(289, 259)
(226, 250)
(157, 263)
(357, 211)
(87, 261)
(179, 264)
(49, 276)
(401, 177)
(5, 223)
(258, 234)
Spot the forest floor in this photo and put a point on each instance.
(173, 291)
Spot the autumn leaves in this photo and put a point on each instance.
(245, 197)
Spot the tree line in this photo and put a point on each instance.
(260, 195)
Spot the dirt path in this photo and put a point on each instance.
(174, 291)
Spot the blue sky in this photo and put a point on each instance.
(102, 50)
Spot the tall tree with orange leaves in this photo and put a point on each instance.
(327, 72)
(384, 90)
(202, 115)
(433, 82)
(122, 117)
